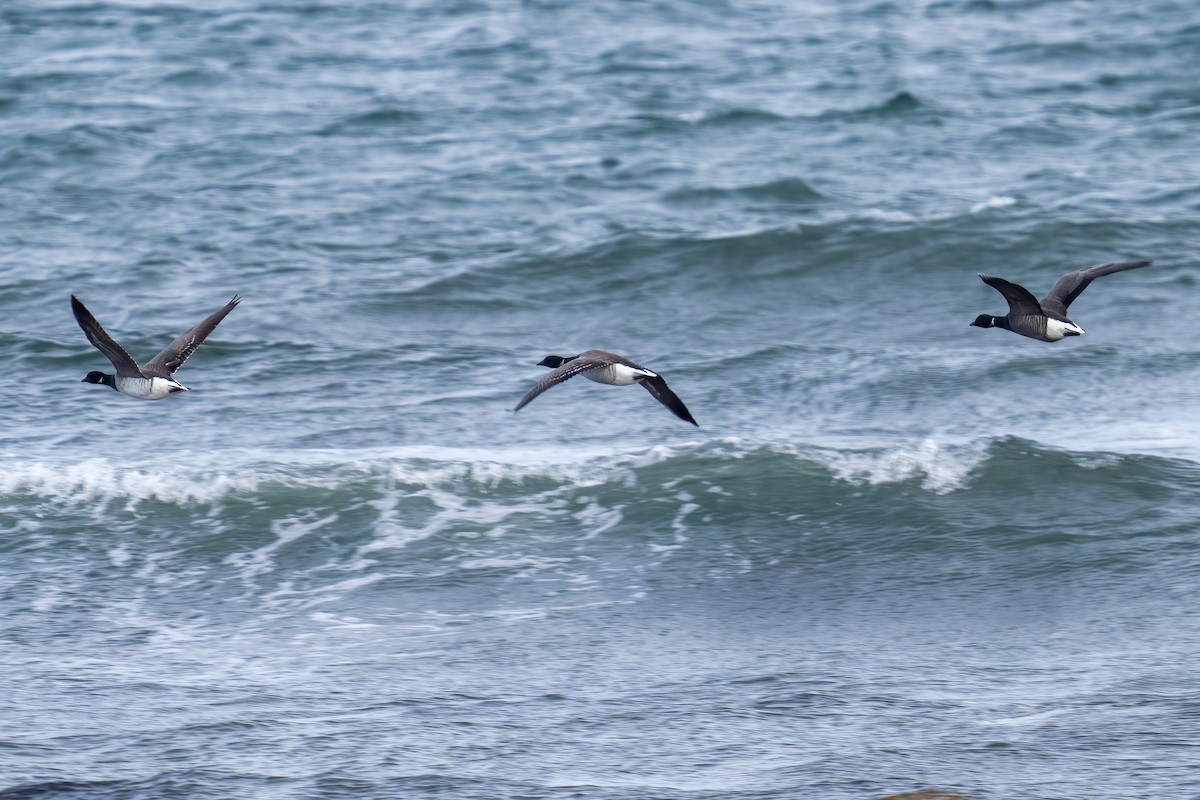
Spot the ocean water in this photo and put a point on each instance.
(899, 557)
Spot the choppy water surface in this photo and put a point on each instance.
(899, 554)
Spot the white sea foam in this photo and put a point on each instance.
(119, 555)
(885, 215)
(286, 531)
(686, 507)
(595, 519)
(47, 599)
(99, 480)
(524, 565)
(205, 478)
(897, 216)
(993, 202)
(329, 620)
(942, 468)
(453, 511)
(421, 492)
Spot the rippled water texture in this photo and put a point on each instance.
(900, 557)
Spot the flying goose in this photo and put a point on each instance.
(603, 367)
(153, 381)
(1046, 320)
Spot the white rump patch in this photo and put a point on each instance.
(1057, 329)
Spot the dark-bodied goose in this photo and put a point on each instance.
(1046, 320)
(153, 381)
(602, 367)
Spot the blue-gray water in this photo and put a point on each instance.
(899, 554)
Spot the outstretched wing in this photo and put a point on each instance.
(170, 359)
(95, 333)
(663, 394)
(556, 376)
(1021, 301)
(1072, 284)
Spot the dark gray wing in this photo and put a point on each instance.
(582, 363)
(1021, 301)
(663, 394)
(124, 364)
(169, 360)
(1072, 284)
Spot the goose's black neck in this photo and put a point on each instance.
(95, 376)
(988, 321)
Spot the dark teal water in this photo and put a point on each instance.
(898, 554)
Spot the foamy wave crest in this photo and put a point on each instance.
(483, 484)
(99, 480)
(941, 468)
(993, 202)
(900, 216)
